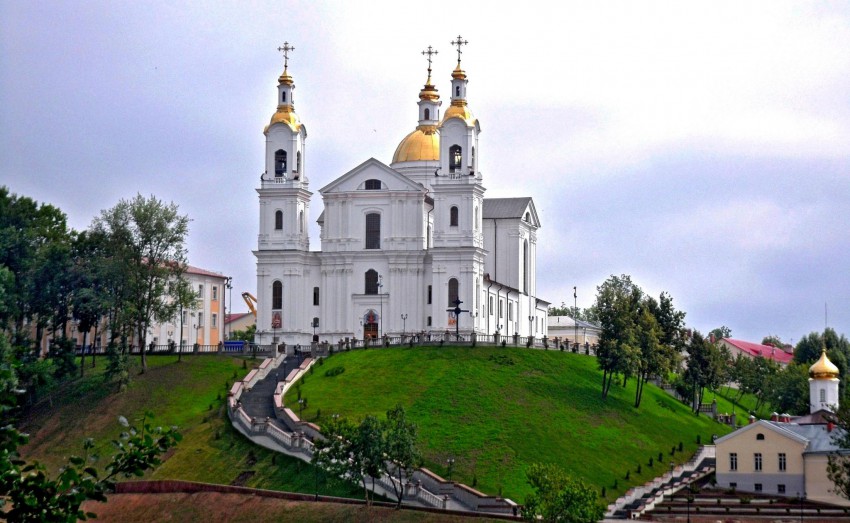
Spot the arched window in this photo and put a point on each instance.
(283, 97)
(279, 163)
(298, 162)
(278, 220)
(823, 396)
(457, 90)
(371, 282)
(525, 266)
(475, 223)
(427, 114)
(373, 231)
(759, 436)
(455, 158)
(527, 217)
(453, 294)
(372, 185)
(277, 295)
(453, 216)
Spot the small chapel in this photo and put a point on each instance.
(412, 246)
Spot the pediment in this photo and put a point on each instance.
(372, 169)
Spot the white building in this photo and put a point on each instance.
(400, 242)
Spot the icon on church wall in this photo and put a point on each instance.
(276, 320)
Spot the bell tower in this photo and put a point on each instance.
(284, 194)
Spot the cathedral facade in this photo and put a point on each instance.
(403, 246)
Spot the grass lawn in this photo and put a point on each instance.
(496, 410)
(188, 394)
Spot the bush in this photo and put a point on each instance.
(650, 461)
(681, 446)
(638, 469)
(336, 371)
(699, 440)
(628, 473)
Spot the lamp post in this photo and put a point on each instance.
(801, 498)
(381, 293)
(228, 286)
(404, 324)
(575, 313)
(314, 324)
(451, 463)
(530, 325)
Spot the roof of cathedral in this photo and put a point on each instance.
(423, 144)
(757, 349)
(506, 207)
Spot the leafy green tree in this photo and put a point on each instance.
(773, 340)
(244, 335)
(618, 306)
(656, 359)
(401, 448)
(705, 367)
(153, 236)
(353, 451)
(557, 498)
(589, 314)
(720, 332)
(788, 390)
(28, 493)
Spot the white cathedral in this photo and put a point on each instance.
(400, 243)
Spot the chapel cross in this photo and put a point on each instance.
(456, 311)
(285, 49)
(459, 42)
(430, 52)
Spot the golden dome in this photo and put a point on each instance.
(286, 115)
(285, 78)
(458, 73)
(823, 368)
(423, 144)
(429, 92)
(458, 109)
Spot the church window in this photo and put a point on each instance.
(457, 90)
(429, 321)
(783, 462)
(525, 266)
(430, 294)
(527, 217)
(427, 114)
(453, 216)
(757, 461)
(491, 306)
(373, 231)
(453, 291)
(510, 311)
(279, 163)
(472, 157)
(315, 295)
(278, 220)
(277, 295)
(501, 309)
(371, 282)
(733, 461)
(455, 158)
(475, 223)
(301, 221)
(298, 162)
(823, 396)
(373, 185)
(759, 437)
(283, 97)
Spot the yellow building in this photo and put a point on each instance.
(787, 456)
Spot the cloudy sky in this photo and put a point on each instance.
(702, 148)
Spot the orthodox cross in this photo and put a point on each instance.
(285, 49)
(457, 310)
(459, 42)
(430, 52)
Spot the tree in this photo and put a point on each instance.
(617, 305)
(558, 498)
(153, 235)
(32, 495)
(705, 367)
(400, 448)
(244, 335)
(788, 390)
(349, 450)
(774, 341)
(720, 332)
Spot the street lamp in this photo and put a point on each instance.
(314, 324)
(801, 498)
(404, 324)
(530, 325)
(575, 313)
(228, 286)
(451, 463)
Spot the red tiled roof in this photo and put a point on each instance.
(764, 351)
(235, 316)
(203, 272)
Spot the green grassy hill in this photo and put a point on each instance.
(496, 410)
(188, 394)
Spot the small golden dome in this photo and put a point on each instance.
(285, 79)
(823, 368)
(458, 73)
(423, 144)
(286, 115)
(429, 92)
(458, 109)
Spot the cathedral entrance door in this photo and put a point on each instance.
(370, 330)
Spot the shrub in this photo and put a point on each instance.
(321, 361)
(660, 457)
(336, 371)
(680, 446)
(628, 473)
(650, 461)
(311, 372)
(699, 440)
(603, 488)
(638, 469)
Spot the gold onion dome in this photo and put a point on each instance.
(285, 114)
(823, 368)
(285, 79)
(458, 73)
(459, 110)
(429, 92)
(423, 144)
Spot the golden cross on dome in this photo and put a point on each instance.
(459, 42)
(430, 52)
(285, 49)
